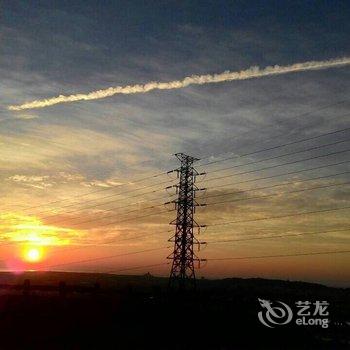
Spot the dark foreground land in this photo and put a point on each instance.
(95, 311)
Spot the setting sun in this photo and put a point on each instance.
(33, 254)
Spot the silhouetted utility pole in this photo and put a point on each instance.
(182, 273)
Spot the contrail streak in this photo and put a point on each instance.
(252, 72)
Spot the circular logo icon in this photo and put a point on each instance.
(274, 313)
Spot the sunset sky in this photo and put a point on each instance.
(70, 189)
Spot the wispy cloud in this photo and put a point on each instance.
(250, 73)
(26, 116)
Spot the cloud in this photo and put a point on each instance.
(23, 178)
(23, 228)
(98, 183)
(250, 73)
(26, 116)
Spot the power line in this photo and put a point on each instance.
(81, 247)
(137, 267)
(118, 240)
(113, 201)
(216, 171)
(105, 217)
(281, 255)
(113, 215)
(280, 156)
(133, 218)
(277, 165)
(119, 221)
(113, 195)
(105, 257)
(163, 173)
(96, 205)
(139, 236)
(275, 236)
(287, 173)
(102, 190)
(113, 271)
(116, 222)
(279, 193)
(273, 186)
(144, 187)
(274, 147)
(295, 116)
(280, 216)
(109, 209)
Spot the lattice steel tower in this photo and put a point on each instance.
(182, 273)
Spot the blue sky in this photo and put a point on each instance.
(63, 47)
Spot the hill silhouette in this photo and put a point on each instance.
(61, 310)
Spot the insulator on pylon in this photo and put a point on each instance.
(201, 265)
(201, 243)
(199, 262)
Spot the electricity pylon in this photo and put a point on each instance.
(182, 275)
